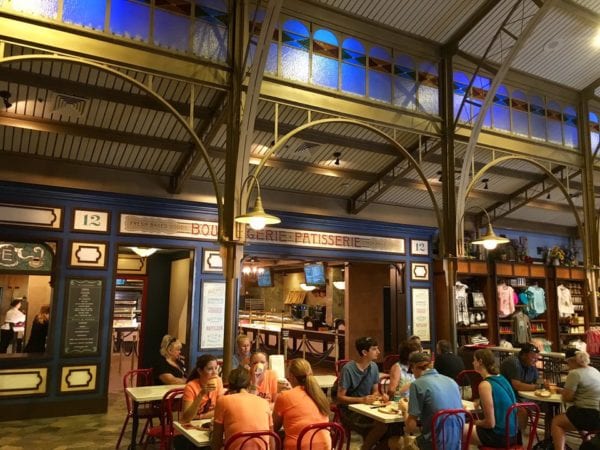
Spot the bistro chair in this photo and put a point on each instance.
(533, 417)
(170, 408)
(338, 366)
(389, 361)
(439, 422)
(469, 378)
(384, 382)
(239, 440)
(337, 418)
(135, 378)
(308, 433)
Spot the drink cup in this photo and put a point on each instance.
(259, 368)
(211, 384)
(552, 387)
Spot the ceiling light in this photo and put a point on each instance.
(256, 217)
(5, 95)
(485, 182)
(490, 240)
(596, 40)
(341, 285)
(337, 155)
(144, 252)
(306, 287)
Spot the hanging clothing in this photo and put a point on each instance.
(565, 305)
(462, 309)
(536, 301)
(593, 341)
(521, 328)
(506, 304)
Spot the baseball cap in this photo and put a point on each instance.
(529, 348)
(570, 352)
(418, 358)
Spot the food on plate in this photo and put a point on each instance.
(543, 393)
(380, 403)
(390, 409)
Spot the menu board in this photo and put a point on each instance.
(420, 313)
(82, 324)
(212, 330)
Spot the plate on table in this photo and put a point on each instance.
(380, 403)
(389, 409)
(543, 393)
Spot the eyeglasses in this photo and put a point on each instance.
(171, 341)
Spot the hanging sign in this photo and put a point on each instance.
(420, 313)
(25, 257)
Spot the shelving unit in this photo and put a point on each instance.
(571, 327)
(129, 293)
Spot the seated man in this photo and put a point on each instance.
(520, 370)
(428, 394)
(446, 362)
(358, 383)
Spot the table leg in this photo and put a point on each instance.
(134, 425)
(552, 409)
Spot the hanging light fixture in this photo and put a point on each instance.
(144, 252)
(306, 287)
(489, 240)
(341, 285)
(256, 217)
(337, 155)
(251, 270)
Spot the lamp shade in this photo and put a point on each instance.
(306, 287)
(256, 217)
(144, 252)
(341, 285)
(490, 240)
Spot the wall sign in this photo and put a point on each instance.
(91, 221)
(164, 226)
(82, 320)
(420, 313)
(419, 271)
(419, 247)
(25, 256)
(88, 254)
(31, 216)
(212, 261)
(213, 315)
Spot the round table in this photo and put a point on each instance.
(551, 406)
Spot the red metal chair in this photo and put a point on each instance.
(336, 431)
(170, 407)
(244, 437)
(533, 417)
(438, 426)
(135, 378)
(339, 364)
(469, 378)
(384, 382)
(389, 361)
(337, 418)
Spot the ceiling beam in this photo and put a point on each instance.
(590, 90)
(471, 22)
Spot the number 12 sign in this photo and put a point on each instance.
(91, 221)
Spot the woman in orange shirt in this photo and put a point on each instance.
(303, 405)
(264, 380)
(202, 390)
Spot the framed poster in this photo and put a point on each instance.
(82, 316)
(419, 247)
(419, 271)
(212, 261)
(91, 221)
(88, 254)
(212, 318)
(420, 313)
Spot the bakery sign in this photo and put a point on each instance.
(25, 256)
(202, 230)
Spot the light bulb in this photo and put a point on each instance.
(246, 270)
(257, 223)
(490, 245)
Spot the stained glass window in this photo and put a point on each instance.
(479, 90)
(427, 94)
(44, 8)
(501, 109)
(325, 59)
(353, 67)
(405, 82)
(460, 83)
(380, 74)
(256, 22)
(172, 24)
(570, 127)
(295, 43)
(519, 111)
(130, 19)
(594, 134)
(210, 30)
(537, 116)
(85, 13)
(554, 123)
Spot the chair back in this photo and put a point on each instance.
(457, 418)
(338, 366)
(384, 382)
(135, 378)
(469, 378)
(170, 409)
(533, 417)
(308, 433)
(239, 440)
(389, 361)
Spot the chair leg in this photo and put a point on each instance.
(145, 429)
(122, 432)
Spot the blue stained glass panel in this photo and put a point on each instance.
(380, 86)
(209, 41)
(130, 19)
(85, 13)
(460, 84)
(171, 30)
(537, 117)
(595, 140)
(405, 86)
(44, 8)
(479, 90)
(353, 79)
(519, 110)
(295, 40)
(296, 27)
(500, 109)
(427, 93)
(570, 127)
(294, 64)
(271, 65)
(325, 36)
(325, 71)
(554, 123)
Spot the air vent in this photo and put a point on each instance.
(70, 106)
(304, 146)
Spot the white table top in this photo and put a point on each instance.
(530, 395)
(374, 413)
(151, 393)
(325, 381)
(194, 433)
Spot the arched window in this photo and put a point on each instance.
(570, 127)
(325, 59)
(256, 19)
(405, 82)
(595, 134)
(209, 30)
(537, 106)
(501, 109)
(460, 84)
(554, 123)
(480, 88)
(130, 19)
(427, 94)
(380, 75)
(295, 43)
(519, 112)
(88, 14)
(353, 67)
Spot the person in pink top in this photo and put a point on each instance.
(263, 379)
(305, 404)
(203, 389)
(240, 411)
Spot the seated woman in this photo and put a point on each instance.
(496, 396)
(303, 405)
(241, 357)
(240, 411)
(203, 389)
(264, 380)
(170, 368)
(400, 376)
(582, 388)
(39, 331)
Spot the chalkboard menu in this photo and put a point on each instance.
(84, 300)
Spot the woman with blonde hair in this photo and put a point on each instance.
(170, 368)
(39, 331)
(303, 405)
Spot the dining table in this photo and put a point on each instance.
(551, 406)
(195, 431)
(376, 412)
(325, 381)
(144, 394)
